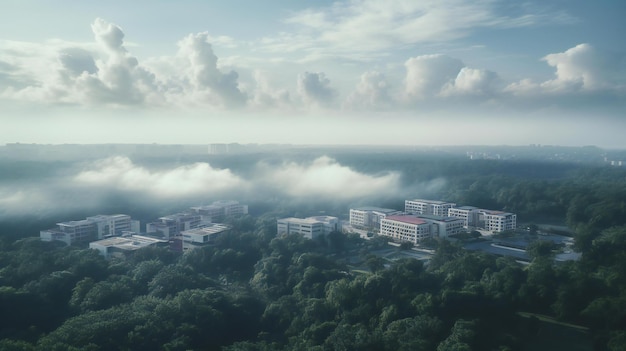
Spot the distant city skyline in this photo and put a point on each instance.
(365, 72)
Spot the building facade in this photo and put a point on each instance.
(90, 229)
(370, 217)
(428, 207)
(468, 214)
(311, 227)
(405, 228)
(497, 221)
(205, 235)
(219, 210)
(443, 227)
(121, 246)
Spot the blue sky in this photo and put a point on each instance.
(323, 72)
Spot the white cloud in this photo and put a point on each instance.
(363, 28)
(325, 178)
(581, 69)
(196, 179)
(427, 75)
(265, 95)
(471, 81)
(372, 91)
(314, 88)
(201, 70)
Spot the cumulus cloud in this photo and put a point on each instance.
(427, 75)
(266, 95)
(314, 88)
(196, 179)
(325, 178)
(372, 91)
(202, 72)
(581, 69)
(471, 81)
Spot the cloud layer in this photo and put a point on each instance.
(120, 178)
(104, 73)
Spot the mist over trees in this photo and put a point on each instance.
(258, 291)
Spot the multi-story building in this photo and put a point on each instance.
(497, 221)
(428, 207)
(120, 246)
(405, 228)
(205, 235)
(173, 225)
(90, 229)
(443, 227)
(469, 214)
(310, 227)
(114, 225)
(219, 210)
(369, 217)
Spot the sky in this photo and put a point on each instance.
(419, 72)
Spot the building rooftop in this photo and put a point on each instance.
(212, 228)
(439, 218)
(407, 219)
(375, 209)
(435, 202)
(466, 208)
(132, 242)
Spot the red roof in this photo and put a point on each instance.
(406, 219)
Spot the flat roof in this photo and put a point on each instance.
(439, 218)
(132, 242)
(377, 209)
(209, 229)
(436, 202)
(466, 208)
(406, 219)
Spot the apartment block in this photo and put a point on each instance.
(310, 227)
(121, 246)
(443, 227)
(205, 235)
(219, 210)
(369, 217)
(90, 229)
(405, 228)
(428, 207)
(497, 221)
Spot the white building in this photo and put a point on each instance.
(469, 214)
(205, 235)
(173, 225)
(497, 221)
(443, 227)
(428, 207)
(114, 225)
(310, 227)
(370, 217)
(219, 210)
(90, 229)
(120, 246)
(405, 228)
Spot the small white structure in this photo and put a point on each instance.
(120, 246)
